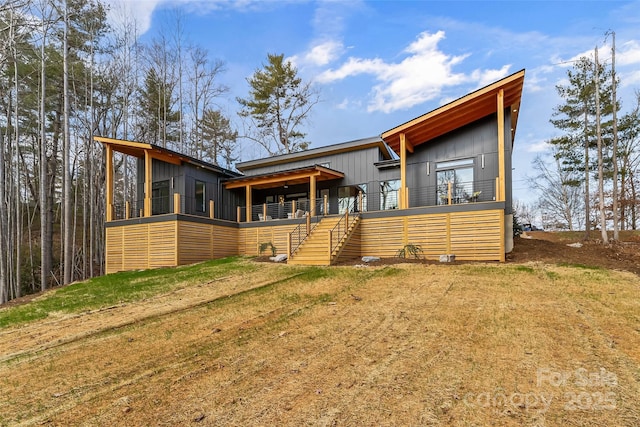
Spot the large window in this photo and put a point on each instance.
(160, 197)
(201, 198)
(349, 198)
(389, 194)
(457, 175)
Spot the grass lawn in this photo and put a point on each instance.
(234, 342)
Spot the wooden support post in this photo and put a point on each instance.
(212, 214)
(325, 204)
(449, 192)
(264, 211)
(502, 244)
(127, 208)
(312, 195)
(176, 203)
(238, 214)
(293, 209)
(448, 231)
(360, 201)
(248, 202)
(403, 168)
(147, 183)
(405, 146)
(109, 178)
(501, 154)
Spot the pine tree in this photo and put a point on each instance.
(576, 118)
(279, 103)
(219, 136)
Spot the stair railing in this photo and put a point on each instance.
(339, 232)
(300, 234)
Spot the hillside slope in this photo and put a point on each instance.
(472, 344)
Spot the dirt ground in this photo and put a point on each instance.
(554, 248)
(529, 342)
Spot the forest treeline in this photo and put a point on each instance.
(66, 75)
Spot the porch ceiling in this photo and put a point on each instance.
(288, 177)
(460, 112)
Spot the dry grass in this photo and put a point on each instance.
(397, 345)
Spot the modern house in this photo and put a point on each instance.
(441, 181)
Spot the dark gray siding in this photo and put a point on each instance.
(183, 181)
(357, 166)
(469, 142)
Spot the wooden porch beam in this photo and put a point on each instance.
(501, 155)
(248, 200)
(312, 195)
(405, 146)
(147, 182)
(280, 179)
(109, 179)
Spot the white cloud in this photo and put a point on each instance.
(138, 12)
(324, 53)
(419, 77)
(319, 55)
(628, 53)
(537, 147)
(485, 77)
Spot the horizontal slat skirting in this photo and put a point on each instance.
(249, 239)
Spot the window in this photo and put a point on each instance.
(389, 194)
(348, 198)
(458, 174)
(160, 197)
(201, 194)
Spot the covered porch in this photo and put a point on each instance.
(286, 194)
(184, 185)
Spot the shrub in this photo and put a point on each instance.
(410, 251)
(263, 247)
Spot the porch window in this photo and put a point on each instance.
(389, 194)
(460, 174)
(348, 197)
(200, 196)
(160, 197)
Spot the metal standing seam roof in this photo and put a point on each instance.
(343, 147)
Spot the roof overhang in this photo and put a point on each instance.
(138, 149)
(286, 177)
(461, 112)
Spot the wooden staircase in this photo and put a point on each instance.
(316, 250)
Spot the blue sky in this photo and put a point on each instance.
(380, 63)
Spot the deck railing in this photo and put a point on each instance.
(452, 193)
(284, 210)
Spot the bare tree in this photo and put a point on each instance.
(560, 201)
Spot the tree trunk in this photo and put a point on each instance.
(66, 153)
(616, 226)
(45, 253)
(603, 217)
